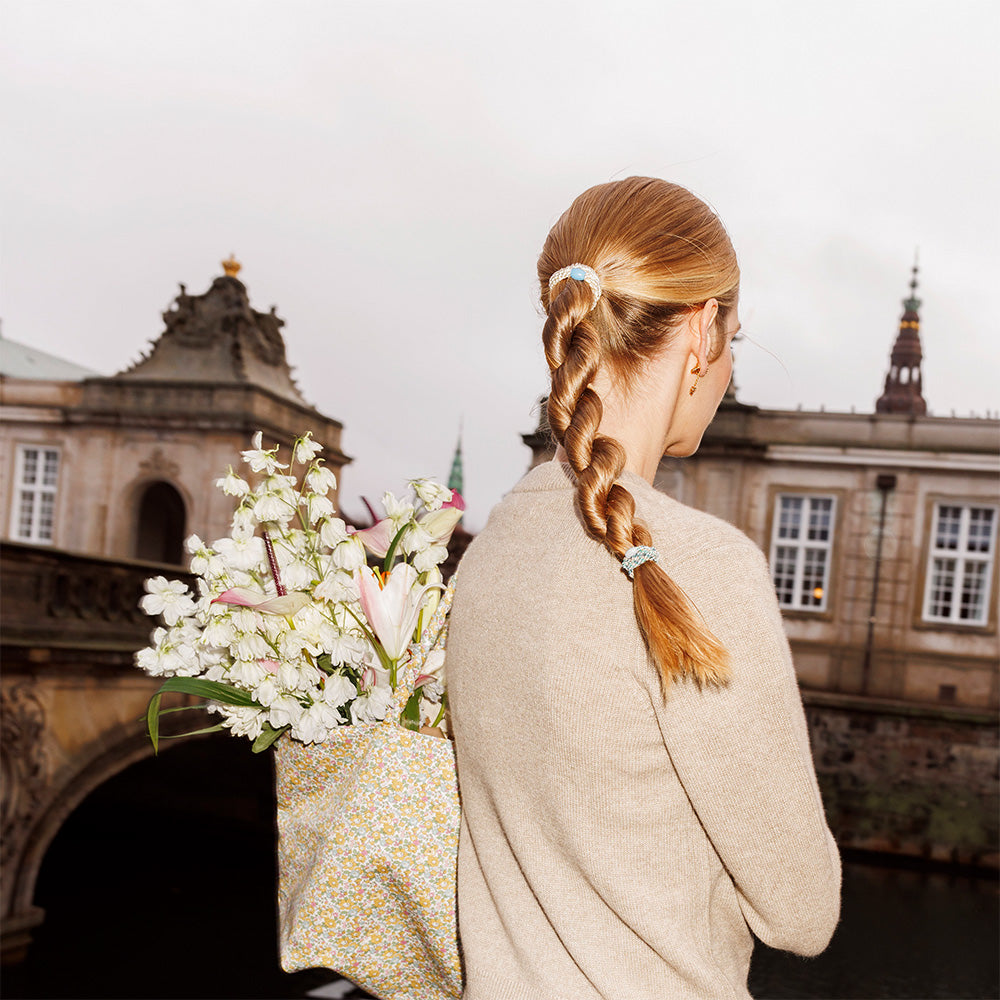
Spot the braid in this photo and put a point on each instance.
(679, 643)
(572, 349)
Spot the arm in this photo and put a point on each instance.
(742, 754)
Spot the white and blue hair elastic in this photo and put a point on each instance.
(579, 272)
(636, 556)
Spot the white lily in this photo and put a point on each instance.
(393, 607)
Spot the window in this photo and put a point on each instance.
(35, 494)
(963, 540)
(800, 550)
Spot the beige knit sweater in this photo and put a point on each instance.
(617, 843)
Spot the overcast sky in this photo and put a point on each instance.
(387, 171)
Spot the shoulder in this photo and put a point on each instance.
(690, 535)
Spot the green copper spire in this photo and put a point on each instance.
(455, 480)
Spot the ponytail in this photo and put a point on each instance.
(657, 251)
(680, 644)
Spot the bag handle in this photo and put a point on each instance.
(433, 638)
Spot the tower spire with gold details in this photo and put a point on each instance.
(903, 384)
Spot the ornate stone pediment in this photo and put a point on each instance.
(218, 337)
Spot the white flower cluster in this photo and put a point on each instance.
(277, 612)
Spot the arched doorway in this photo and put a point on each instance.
(161, 883)
(160, 524)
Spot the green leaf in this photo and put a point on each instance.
(325, 663)
(391, 551)
(213, 690)
(267, 736)
(410, 716)
(183, 708)
(153, 722)
(195, 732)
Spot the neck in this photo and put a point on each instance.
(636, 420)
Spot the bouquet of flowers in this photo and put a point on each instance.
(291, 632)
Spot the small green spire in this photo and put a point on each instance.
(455, 480)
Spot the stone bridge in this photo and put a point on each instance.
(71, 702)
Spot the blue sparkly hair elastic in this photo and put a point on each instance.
(579, 272)
(636, 556)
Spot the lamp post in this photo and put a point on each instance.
(885, 483)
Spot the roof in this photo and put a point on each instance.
(21, 361)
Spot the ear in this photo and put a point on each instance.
(700, 326)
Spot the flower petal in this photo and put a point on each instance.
(244, 597)
(377, 538)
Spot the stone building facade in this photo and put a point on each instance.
(119, 466)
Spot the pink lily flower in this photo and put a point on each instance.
(377, 538)
(456, 501)
(393, 607)
(244, 597)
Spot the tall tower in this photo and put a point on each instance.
(902, 392)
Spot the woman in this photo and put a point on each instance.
(637, 789)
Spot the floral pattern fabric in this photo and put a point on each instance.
(368, 841)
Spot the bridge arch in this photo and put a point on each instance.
(116, 749)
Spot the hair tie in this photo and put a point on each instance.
(636, 556)
(579, 272)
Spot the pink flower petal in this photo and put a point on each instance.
(377, 538)
(244, 597)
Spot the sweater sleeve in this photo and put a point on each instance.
(742, 754)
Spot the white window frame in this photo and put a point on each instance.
(803, 546)
(28, 500)
(964, 560)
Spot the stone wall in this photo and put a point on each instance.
(915, 780)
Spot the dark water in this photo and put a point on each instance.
(161, 884)
(904, 932)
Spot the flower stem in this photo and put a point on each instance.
(273, 563)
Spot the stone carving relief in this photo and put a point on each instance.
(23, 769)
(160, 466)
(224, 313)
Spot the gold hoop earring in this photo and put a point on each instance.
(698, 373)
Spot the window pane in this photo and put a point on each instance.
(25, 514)
(820, 512)
(973, 603)
(790, 517)
(980, 529)
(45, 516)
(942, 588)
(813, 573)
(29, 471)
(948, 527)
(51, 468)
(784, 574)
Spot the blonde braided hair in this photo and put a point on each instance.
(659, 253)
